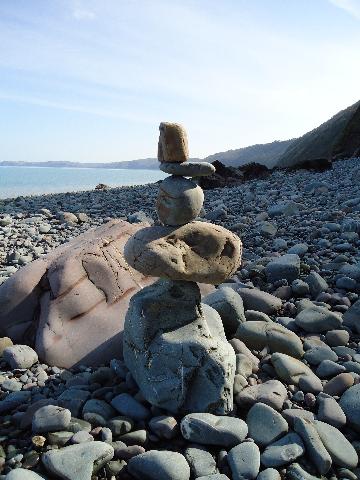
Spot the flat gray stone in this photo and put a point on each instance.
(351, 317)
(329, 368)
(317, 284)
(159, 465)
(283, 451)
(244, 461)
(188, 169)
(208, 429)
(296, 472)
(330, 412)
(318, 319)
(265, 424)
(255, 299)
(181, 363)
(77, 462)
(269, 474)
(317, 354)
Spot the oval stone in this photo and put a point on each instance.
(198, 252)
(179, 201)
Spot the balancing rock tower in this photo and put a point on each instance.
(175, 346)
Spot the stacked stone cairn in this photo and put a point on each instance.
(174, 345)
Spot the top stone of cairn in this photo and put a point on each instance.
(173, 143)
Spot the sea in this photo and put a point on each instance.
(23, 181)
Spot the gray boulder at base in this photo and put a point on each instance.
(208, 429)
(70, 305)
(183, 362)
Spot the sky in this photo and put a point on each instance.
(90, 80)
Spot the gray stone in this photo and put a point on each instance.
(294, 372)
(257, 335)
(287, 208)
(20, 356)
(340, 449)
(328, 368)
(181, 363)
(269, 474)
(330, 411)
(350, 404)
(284, 267)
(201, 461)
(188, 169)
(265, 424)
(159, 465)
(316, 284)
(317, 354)
(60, 438)
(300, 288)
(129, 406)
(74, 400)
(208, 429)
(283, 451)
(216, 476)
(77, 462)
(229, 306)
(255, 299)
(272, 393)
(179, 201)
(299, 249)
(291, 414)
(121, 425)
(336, 338)
(50, 419)
(338, 384)
(351, 318)
(81, 437)
(197, 252)
(22, 474)
(98, 407)
(318, 319)
(296, 472)
(164, 426)
(314, 445)
(244, 461)
(254, 316)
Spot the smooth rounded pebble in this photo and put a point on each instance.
(23, 474)
(339, 384)
(318, 319)
(129, 406)
(244, 461)
(208, 429)
(20, 356)
(269, 474)
(77, 462)
(283, 451)
(265, 424)
(188, 169)
(272, 393)
(229, 306)
(179, 201)
(340, 449)
(159, 465)
(201, 461)
(349, 402)
(50, 419)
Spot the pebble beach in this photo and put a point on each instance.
(297, 343)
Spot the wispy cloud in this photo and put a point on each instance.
(350, 6)
(80, 14)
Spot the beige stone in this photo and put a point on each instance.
(173, 143)
(198, 252)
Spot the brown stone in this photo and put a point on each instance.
(197, 252)
(173, 144)
(337, 385)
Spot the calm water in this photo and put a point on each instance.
(15, 181)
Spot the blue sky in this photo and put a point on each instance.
(90, 80)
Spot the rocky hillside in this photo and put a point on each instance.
(337, 138)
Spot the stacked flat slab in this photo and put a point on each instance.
(175, 346)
